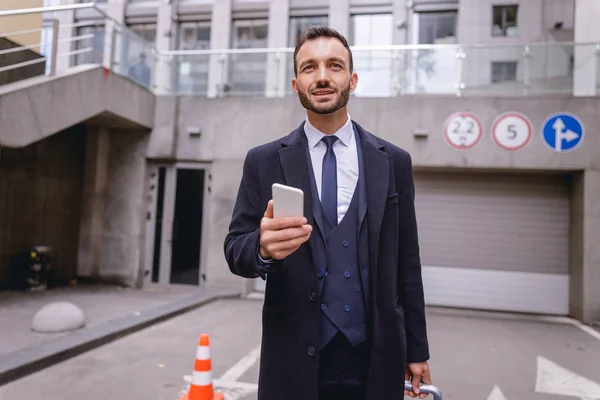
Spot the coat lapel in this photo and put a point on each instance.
(293, 157)
(377, 176)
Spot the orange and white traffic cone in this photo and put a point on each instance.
(201, 387)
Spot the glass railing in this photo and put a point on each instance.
(508, 70)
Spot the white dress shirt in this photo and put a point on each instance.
(347, 161)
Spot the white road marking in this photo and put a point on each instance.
(234, 373)
(496, 394)
(557, 380)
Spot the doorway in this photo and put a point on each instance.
(175, 224)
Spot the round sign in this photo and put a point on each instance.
(462, 130)
(511, 131)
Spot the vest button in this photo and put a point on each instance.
(345, 243)
(347, 308)
(347, 274)
(323, 306)
(312, 296)
(321, 273)
(311, 351)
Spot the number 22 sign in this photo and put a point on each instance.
(462, 130)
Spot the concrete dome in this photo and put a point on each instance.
(59, 316)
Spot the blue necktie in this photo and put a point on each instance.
(329, 182)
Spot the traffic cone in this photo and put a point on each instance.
(201, 387)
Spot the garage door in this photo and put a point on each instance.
(494, 242)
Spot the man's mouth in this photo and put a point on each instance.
(323, 92)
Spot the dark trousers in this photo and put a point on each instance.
(343, 370)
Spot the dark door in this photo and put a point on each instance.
(187, 227)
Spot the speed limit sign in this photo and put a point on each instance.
(511, 131)
(462, 130)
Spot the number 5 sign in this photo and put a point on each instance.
(511, 131)
(462, 130)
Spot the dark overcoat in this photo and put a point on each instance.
(290, 316)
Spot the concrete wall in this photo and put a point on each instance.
(22, 22)
(40, 195)
(9, 59)
(111, 237)
(231, 126)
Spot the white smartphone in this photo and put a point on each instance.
(287, 201)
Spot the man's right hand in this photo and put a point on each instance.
(280, 237)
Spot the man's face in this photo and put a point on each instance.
(324, 81)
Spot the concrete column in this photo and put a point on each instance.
(220, 38)
(587, 57)
(165, 31)
(339, 16)
(123, 233)
(277, 64)
(93, 201)
(585, 252)
(400, 63)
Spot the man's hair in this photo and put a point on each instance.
(315, 32)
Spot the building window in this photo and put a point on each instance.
(504, 71)
(89, 45)
(193, 69)
(437, 27)
(299, 24)
(374, 67)
(145, 31)
(505, 20)
(247, 72)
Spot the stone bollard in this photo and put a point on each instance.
(60, 316)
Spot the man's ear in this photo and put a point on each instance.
(353, 82)
(295, 85)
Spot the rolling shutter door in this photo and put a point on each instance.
(498, 242)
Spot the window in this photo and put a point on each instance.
(505, 20)
(437, 27)
(374, 67)
(145, 31)
(247, 72)
(91, 46)
(193, 69)
(299, 24)
(504, 71)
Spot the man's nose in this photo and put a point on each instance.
(322, 75)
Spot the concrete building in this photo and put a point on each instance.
(502, 226)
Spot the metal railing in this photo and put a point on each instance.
(63, 45)
(384, 71)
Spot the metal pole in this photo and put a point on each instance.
(597, 69)
(37, 10)
(460, 85)
(526, 77)
(54, 49)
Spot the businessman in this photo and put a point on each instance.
(343, 314)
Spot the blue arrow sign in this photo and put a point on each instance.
(562, 132)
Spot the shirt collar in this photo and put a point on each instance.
(314, 135)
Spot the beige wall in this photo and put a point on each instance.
(22, 22)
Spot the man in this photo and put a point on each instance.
(140, 71)
(343, 315)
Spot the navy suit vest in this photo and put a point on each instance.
(342, 301)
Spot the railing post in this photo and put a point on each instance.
(54, 49)
(221, 89)
(526, 78)
(460, 84)
(597, 69)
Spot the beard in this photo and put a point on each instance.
(317, 108)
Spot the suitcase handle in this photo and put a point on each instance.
(429, 389)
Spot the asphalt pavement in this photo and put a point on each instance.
(475, 355)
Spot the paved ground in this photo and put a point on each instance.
(100, 303)
(473, 353)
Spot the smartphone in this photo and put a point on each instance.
(287, 201)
